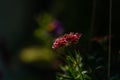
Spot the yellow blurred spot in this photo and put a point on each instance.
(36, 54)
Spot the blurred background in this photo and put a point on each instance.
(28, 28)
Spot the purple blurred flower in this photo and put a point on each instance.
(55, 27)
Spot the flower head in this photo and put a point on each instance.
(101, 39)
(66, 39)
(55, 27)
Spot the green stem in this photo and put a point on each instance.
(80, 71)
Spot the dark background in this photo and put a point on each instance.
(17, 21)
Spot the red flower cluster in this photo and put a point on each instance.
(66, 40)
